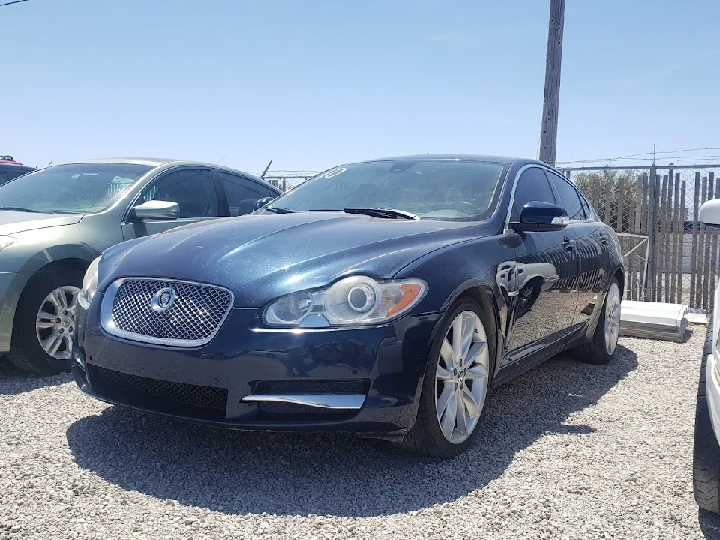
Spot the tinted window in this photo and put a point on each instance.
(242, 193)
(10, 173)
(532, 186)
(431, 189)
(192, 189)
(569, 197)
(76, 188)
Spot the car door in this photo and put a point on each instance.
(240, 193)
(590, 241)
(193, 189)
(546, 265)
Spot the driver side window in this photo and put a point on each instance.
(193, 190)
(531, 186)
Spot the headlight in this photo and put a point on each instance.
(5, 241)
(357, 300)
(90, 283)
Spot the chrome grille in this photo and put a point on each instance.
(130, 310)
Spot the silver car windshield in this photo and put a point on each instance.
(82, 188)
(430, 189)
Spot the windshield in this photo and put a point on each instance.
(430, 189)
(71, 189)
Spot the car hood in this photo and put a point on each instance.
(262, 257)
(12, 222)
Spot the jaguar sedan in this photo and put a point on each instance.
(385, 298)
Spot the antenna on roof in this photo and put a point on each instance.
(266, 170)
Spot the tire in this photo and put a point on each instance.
(706, 451)
(596, 351)
(426, 437)
(26, 352)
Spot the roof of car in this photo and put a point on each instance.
(158, 162)
(150, 161)
(14, 164)
(458, 157)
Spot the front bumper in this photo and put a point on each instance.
(360, 380)
(11, 286)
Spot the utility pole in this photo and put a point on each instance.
(551, 104)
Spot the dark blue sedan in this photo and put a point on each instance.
(385, 298)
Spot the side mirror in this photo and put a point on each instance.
(156, 210)
(541, 216)
(710, 213)
(262, 202)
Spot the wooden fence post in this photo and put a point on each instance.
(693, 254)
(652, 212)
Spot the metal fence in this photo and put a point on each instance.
(289, 181)
(669, 255)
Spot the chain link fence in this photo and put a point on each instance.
(286, 181)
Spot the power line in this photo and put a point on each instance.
(13, 2)
(672, 155)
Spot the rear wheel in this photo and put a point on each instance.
(706, 451)
(44, 325)
(602, 347)
(455, 385)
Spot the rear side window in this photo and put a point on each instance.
(11, 173)
(569, 198)
(532, 186)
(242, 193)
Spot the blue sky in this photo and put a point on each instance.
(313, 83)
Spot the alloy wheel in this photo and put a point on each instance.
(612, 319)
(55, 322)
(463, 368)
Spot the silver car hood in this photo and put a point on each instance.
(12, 222)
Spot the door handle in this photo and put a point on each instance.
(568, 244)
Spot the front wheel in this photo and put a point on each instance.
(455, 385)
(44, 325)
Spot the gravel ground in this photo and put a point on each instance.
(567, 451)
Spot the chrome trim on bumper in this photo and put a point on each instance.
(346, 402)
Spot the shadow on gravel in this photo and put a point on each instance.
(340, 475)
(14, 381)
(709, 524)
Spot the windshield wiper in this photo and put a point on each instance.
(279, 210)
(388, 213)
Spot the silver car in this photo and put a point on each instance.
(56, 221)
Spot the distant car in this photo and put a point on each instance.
(11, 169)
(706, 448)
(386, 298)
(56, 221)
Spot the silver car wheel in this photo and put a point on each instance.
(463, 367)
(55, 322)
(612, 319)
